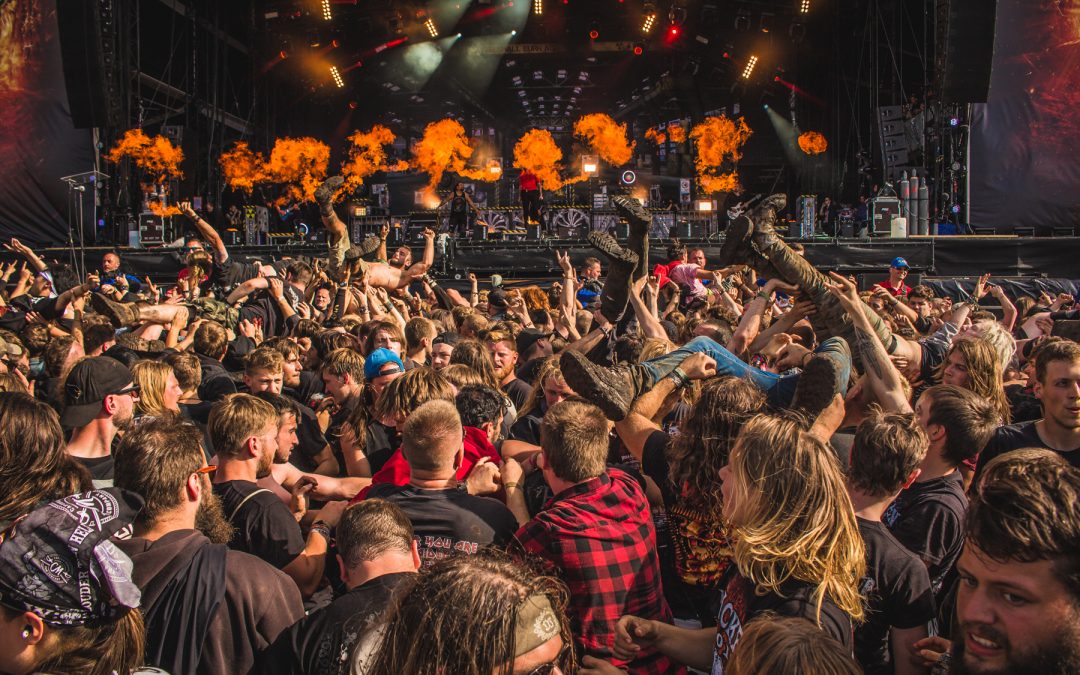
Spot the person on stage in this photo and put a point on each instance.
(529, 183)
(460, 202)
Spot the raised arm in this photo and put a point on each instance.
(650, 325)
(25, 251)
(206, 231)
(882, 375)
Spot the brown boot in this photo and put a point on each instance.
(611, 389)
(324, 194)
(119, 314)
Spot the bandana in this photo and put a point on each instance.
(57, 561)
(536, 623)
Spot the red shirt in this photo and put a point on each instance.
(396, 469)
(901, 292)
(598, 536)
(528, 181)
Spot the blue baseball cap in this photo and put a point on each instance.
(377, 359)
(899, 263)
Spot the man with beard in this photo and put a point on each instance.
(504, 354)
(208, 609)
(1018, 601)
(244, 431)
(99, 401)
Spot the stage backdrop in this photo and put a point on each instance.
(38, 144)
(1025, 141)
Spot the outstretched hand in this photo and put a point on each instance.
(843, 289)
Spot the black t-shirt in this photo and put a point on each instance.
(101, 469)
(897, 592)
(323, 642)
(311, 440)
(380, 444)
(928, 519)
(265, 527)
(1022, 404)
(232, 272)
(1017, 436)
(841, 443)
(933, 355)
(450, 521)
(311, 383)
(740, 604)
(527, 429)
(518, 391)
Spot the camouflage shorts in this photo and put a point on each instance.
(216, 310)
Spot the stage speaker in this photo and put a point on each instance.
(79, 29)
(882, 211)
(965, 49)
(532, 231)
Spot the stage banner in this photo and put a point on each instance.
(38, 143)
(1025, 140)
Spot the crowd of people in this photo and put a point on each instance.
(338, 465)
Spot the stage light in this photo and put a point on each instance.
(327, 15)
(431, 28)
(638, 49)
(590, 164)
(538, 74)
(283, 55)
(593, 34)
(513, 33)
(704, 205)
(338, 80)
(766, 106)
(628, 177)
(647, 24)
(955, 208)
(538, 7)
(749, 69)
(494, 166)
(954, 121)
(804, 6)
(353, 105)
(674, 31)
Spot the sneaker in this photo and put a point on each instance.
(607, 388)
(818, 385)
(324, 194)
(119, 314)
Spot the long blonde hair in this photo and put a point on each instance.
(983, 372)
(152, 378)
(792, 517)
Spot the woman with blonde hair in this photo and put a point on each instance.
(972, 363)
(159, 391)
(797, 548)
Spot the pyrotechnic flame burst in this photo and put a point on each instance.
(445, 148)
(719, 139)
(367, 156)
(605, 137)
(155, 155)
(813, 143)
(537, 152)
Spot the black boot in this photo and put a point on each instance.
(613, 390)
(324, 195)
(367, 246)
(639, 220)
(616, 292)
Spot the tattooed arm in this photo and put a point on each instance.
(881, 374)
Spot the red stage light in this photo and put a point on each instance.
(283, 54)
(638, 50)
(594, 34)
(674, 31)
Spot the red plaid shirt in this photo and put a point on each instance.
(599, 537)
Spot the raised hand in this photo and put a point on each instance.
(185, 208)
(563, 258)
(844, 290)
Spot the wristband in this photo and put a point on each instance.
(509, 484)
(680, 378)
(763, 295)
(322, 528)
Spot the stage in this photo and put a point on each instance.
(942, 256)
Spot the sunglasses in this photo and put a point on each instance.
(550, 667)
(133, 390)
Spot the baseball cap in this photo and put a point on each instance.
(87, 385)
(377, 359)
(497, 299)
(899, 263)
(59, 563)
(528, 337)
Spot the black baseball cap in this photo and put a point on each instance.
(528, 337)
(87, 385)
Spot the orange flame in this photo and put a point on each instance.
(300, 163)
(155, 155)
(605, 137)
(718, 139)
(242, 167)
(537, 152)
(677, 133)
(445, 148)
(367, 156)
(160, 209)
(656, 135)
(813, 143)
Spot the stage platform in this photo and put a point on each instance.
(943, 256)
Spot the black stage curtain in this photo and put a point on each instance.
(38, 143)
(1025, 140)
